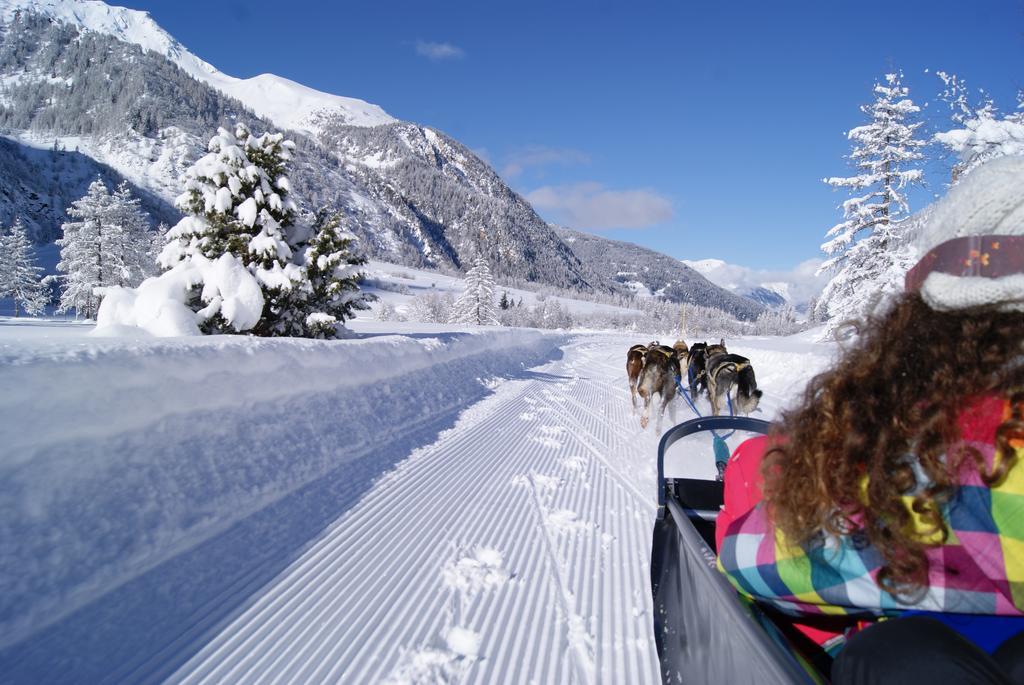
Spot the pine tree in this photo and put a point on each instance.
(869, 251)
(332, 269)
(6, 263)
(504, 303)
(19, 274)
(979, 132)
(157, 240)
(82, 251)
(126, 241)
(236, 201)
(476, 304)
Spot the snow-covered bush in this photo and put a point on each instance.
(388, 312)
(161, 306)
(431, 307)
(869, 250)
(548, 313)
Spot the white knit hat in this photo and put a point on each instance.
(986, 204)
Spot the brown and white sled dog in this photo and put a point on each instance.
(732, 376)
(659, 374)
(682, 353)
(634, 365)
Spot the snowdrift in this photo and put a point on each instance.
(122, 454)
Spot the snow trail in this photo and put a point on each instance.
(508, 545)
(576, 605)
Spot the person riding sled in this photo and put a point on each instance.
(895, 491)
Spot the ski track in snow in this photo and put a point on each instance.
(514, 476)
(514, 548)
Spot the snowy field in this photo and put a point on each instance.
(405, 283)
(415, 505)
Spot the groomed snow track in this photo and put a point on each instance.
(535, 473)
(504, 542)
(478, 533)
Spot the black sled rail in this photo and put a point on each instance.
(705, 633)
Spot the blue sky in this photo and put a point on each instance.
(700, 129)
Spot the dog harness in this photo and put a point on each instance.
(738, 365)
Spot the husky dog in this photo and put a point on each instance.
(661, 368)
(695, 367)
(634, 365)
(713, 349)
(696, 371)
(726, 373)
(682, 354)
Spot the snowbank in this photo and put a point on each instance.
(120, 454)
(158, 305)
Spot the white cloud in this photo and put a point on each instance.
(539, 156)
(438, 51)
(798, 284)
(590, 205)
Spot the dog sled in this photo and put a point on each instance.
(705, 632)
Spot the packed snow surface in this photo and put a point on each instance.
(288, 104)
(414, 505)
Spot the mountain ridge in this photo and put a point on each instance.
(412, 194)
(662, 276)
(288, 104)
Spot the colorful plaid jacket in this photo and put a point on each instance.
(978, 570)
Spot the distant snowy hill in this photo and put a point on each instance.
(286, 103)
(770, 288)
(645, 271)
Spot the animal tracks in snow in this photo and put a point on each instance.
(471, 575)
(550, 436)
(574, 463)
(467, 576)
(567, 521)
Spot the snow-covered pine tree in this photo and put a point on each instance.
(126, 241)
(869, 252)
(21, 280)
(19, 275)
(82, 251)
(6, 263)
(236, 201)
(979, 132)
(157, 240)
(333, 271)
(475, 305)
(431, 307)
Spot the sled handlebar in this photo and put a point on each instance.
(708, 423)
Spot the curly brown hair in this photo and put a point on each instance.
(897, 391)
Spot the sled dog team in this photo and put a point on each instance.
(710, 369)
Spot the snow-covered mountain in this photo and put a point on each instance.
(286, 103)
(87, 88)
(795, 287)
(412, 194)
(645, 271)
